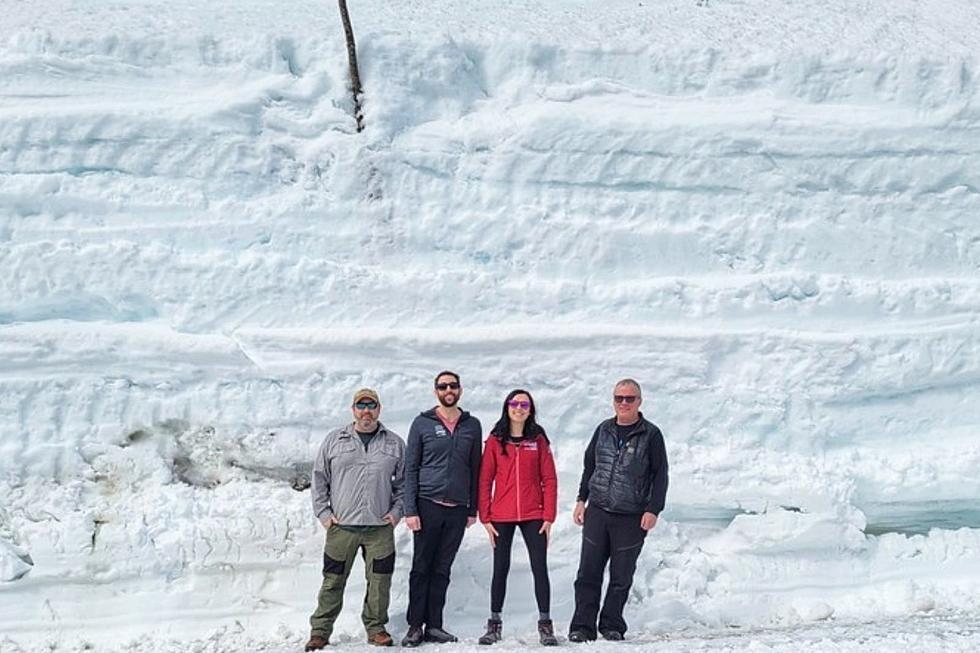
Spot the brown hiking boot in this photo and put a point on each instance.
(494, 632)
(546, 632)
(381, 638)
(316, 643)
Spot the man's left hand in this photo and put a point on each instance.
(470, 521)
(648, 521)
(391, 519)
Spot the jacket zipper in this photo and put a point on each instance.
(452, 449)
(620, 452)
(518, 462)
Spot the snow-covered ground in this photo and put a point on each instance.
(764, 210)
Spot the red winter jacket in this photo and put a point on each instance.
(519, 486)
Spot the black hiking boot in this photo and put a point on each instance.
(439, 636)
(413, 637)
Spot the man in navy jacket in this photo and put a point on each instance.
(442, 472)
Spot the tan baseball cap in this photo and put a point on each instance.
(366, 393)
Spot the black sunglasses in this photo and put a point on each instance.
(366, 405)
(627, 398)
(447, 386)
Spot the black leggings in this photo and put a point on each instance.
(537, 552)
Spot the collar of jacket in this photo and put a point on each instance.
(349, 431)
(639, 428)
(536, 439)
(431, 414)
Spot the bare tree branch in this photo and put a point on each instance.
(355, 75)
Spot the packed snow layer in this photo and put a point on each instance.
(764, 211)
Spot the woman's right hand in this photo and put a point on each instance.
(546, 531)
(492, 534)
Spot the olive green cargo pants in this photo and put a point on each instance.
(377, 546)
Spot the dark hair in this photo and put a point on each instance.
(445, 373)
(501, 430)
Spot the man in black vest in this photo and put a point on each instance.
(625, 485)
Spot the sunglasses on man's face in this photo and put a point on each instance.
(619, 399)
(442, 387)
(366, 405)
(523, 405)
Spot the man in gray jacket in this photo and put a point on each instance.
(358, 478)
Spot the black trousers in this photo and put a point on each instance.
(618, 540)
(435, 549)
(537, 553)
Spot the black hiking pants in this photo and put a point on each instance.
(435, 549)
(610, 538)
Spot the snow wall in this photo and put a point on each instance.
(201, 261)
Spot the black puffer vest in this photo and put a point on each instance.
(624, 477)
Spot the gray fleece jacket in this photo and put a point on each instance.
(359, 487)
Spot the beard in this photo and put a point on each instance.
(448, 400)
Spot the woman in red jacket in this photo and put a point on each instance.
(518, 490)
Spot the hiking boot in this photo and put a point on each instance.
(611, 635)
(546, 633)
(579, 636)
(413, 637)
(316, 643)
(381, 638)
(494, 632)
(439, 636)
